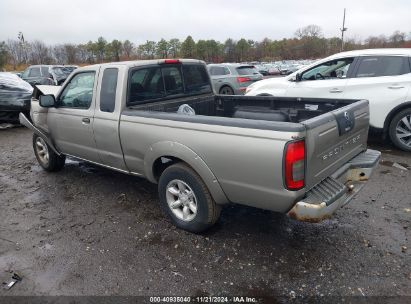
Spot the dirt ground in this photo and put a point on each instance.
(89, 231)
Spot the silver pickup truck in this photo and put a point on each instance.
(160, 120)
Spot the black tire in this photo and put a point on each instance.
(226, 90)
(265, 94)
(207, 212)
(52, 162)
(397, 121)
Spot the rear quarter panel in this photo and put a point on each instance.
(247, 163)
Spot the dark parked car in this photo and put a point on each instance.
(45, 74)
(15, 95)
(69, 68)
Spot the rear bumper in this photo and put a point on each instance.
(323, 199)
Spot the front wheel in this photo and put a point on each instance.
(46, 157)
(186, 200)
(400, 130)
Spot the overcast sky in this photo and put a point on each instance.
(78, 21)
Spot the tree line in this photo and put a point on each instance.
(308, 43)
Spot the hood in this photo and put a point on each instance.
(268, 85)
(48, 89)
(11, 82)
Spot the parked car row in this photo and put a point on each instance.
(16, 88)
(284, 67)
(47, 74)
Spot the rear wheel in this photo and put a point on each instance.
(186, 200)
(400, 130)
(46, 157)
(226, 90)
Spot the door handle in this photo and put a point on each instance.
(336, 90)
(394, 87)
(86, 120)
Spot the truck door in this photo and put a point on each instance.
(71, 122)
(106, 117)
(384, 81)
(326, 80)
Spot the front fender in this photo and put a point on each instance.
(174, 149)
(25, 122)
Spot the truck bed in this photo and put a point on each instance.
(278, 109)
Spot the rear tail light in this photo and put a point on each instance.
(243, 79)
(294, 165)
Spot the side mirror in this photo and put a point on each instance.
(47, 101)
(18, 74)
(298, 77)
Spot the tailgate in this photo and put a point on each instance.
(334, 138)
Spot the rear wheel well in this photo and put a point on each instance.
(226, 86)
(391, 115)
(162, 163)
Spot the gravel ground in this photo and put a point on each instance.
(90, 231)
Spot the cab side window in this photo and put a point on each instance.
(79, 91)
(377, 66)
(219, 71)
(108, 90)
(334, 69)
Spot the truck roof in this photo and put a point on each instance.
(135, 63)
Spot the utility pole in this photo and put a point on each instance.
(343, 29)
(23, 46)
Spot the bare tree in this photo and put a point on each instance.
(128, 48)
(311, 31)
(16, 52)
(71, 51)
(397, 39)
(40, 53)
(59, 54)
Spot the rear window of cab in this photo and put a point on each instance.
(166, 81)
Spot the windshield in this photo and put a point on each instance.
(331, 69)
(59, 71)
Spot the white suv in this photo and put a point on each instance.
(383, 76)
